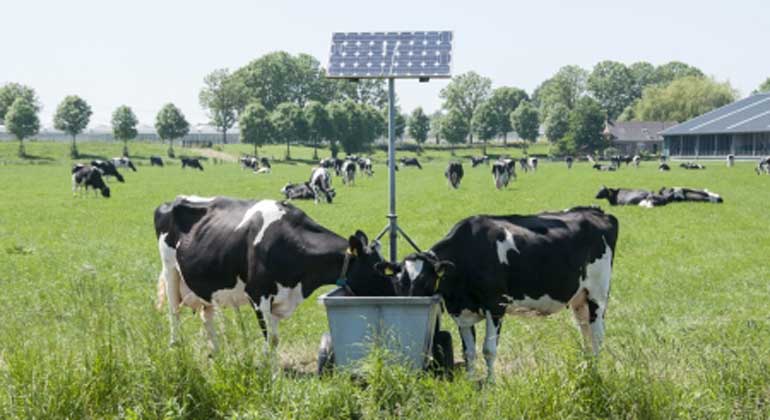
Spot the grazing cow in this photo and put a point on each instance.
(689, 194)
(108, 169)
(321, 183)
(604, 168)
(454, 174)
(691, 165)
(664, 167)
(123, 162)
(478, 160)
(365, 165)
(730, 160)
(349, 172)
(532, 163)
(191, 162)
(332, 162)
(227, 252)
(627, 159)
(569, 160)
(637, 160)
(624, 197)
(763, 166)
(85, 177)
(156, 161)
(524, 164)
(487, 266)
(411, 162)
(502, 172)
(298, 191)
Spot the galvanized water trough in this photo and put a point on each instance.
(403, 325)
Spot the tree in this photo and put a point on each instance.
(612, 84)
(486, 123)
(764, 87)
(526, 122)
(364, 91)
(21, 120)
(220, 97)
(400, 120)
(465, 93)
(72, 117)
(364, 121)
(255, 125)
(435, 125)
(289, 124)
(566, 87)
(454, 127)
(503, 101)
(8, 94)
(319, 126)
(339, 123)
(171, 124)
(644, 75)
(419, 125)
(682, 99)
(557, 123)
(674, 70)
(124, 126)
(586, 122)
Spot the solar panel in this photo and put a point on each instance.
(378, 55)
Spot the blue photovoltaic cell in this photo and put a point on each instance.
(390, 54)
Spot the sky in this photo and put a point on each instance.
(145, 53)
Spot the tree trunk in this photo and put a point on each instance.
(224, 135)
(288, 151)
(22, 150)
(505, 139)
(315, 149)
(125, 147)
(255, 150)
(74, 148)
(484, 148)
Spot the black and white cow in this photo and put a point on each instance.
(604, 168)
(299, 191)
(532, 163)
(478, 160)
(365, 165)
(321, 183)
(763, 166)
(191, 162)
(228, 252)
(349, 172)
(502, 172)
(524, 164)
(156, 161)
(626, 197)
(689, 194)
(85, 177)
(108, 169)
(664, 167)
(691, 165)
(569, 161)
(411, 162)
(332, 163)
(249, 162)
(454, 174)
(123, 162)
(487, 266)
(730, 160)
(637, 160)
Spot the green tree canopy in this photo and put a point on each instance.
(454, 127)
(682, 99)
(526, 122)
(419, 125)
(465, 93)
(124, 125)
(486, 123)
(221, 97)
(435, 125)
(255, 125)
(340, 122)
(21, 120)
(586, 123)
(667, 73)
(503, 101)
(10, 91)
(400, 120)
(644, 75)
(72, 117)
(364, 91)
(612, 84)
(566, 87)
(171, 124)
(289, 123)
(557, 123)
(318, 124)
(764, 87)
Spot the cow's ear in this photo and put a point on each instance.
(444, 268)
(362, 236)
(355, 246)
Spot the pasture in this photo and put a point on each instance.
(688, 324)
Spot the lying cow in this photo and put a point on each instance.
(691, 165)
(227, 252)
(85, 177)
(625, 197)
(478, 160)
(321, 183)
(123, 162)
(502, 172)
(249, 162)
(193, 163)
(604, 168)
(156, 161)
(300, 191)
(487, 266)
(411, 162)
(664, 167)
(108, 169)
(454, 174)
(349, 172)
(569, 160)
(689, 194)
(763, 166)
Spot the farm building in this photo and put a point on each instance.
(741, 128)
(631, 137)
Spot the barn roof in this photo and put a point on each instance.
(748, 115)
(637, 131)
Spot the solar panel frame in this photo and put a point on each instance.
(385, 55)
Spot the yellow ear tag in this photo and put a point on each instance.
(352, 252)
(439, 275)
(388, 271)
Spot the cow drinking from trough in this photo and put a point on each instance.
(487, 266)
(227, 252)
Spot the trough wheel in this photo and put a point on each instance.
(443, 356)
(325, 355)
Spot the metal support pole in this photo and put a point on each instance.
(392, 168)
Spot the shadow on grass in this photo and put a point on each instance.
(39, 159)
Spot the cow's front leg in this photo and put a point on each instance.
(490, 344)
(208, 319)
(468, 336)
(271, 322)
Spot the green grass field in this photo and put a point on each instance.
(688, 325)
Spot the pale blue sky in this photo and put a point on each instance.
(145, 53)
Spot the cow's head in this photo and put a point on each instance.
(609, 193)
(420, 274)
(105, 191)
(363, 276)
